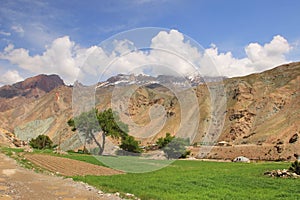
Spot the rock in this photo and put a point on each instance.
(284, 173)
(129, 195)
(294, 138)
(17, 142)
(28, 149)
(279, 148)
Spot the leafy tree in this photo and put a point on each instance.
(93, 122)
(41, 142)
(176, 148)
(87, 124)
(295, 167)
(162, 142)
(130, 144)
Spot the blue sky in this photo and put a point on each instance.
(32, 26)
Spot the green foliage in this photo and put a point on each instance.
(71, 123)
(176, 148)
(185, 154)
(111, 125)
(93, 122)
(130, 144)
(162, 142)
(41, 142)
(295, 167)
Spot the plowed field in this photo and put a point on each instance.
(69, 167)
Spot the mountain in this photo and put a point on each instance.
(25, 91)
(129, 79)
(261, 114)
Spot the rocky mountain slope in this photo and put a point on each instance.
(261, 117)
(28, 90)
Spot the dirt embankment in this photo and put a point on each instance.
(19, 183)
(271, 152)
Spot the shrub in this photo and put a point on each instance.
(162, 142)
(41, 142)
(295, 167)
(130, 144)
(176, 148)
(185, 154)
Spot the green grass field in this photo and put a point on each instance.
(202, 180)
(185, 179)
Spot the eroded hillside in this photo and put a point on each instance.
(262, 112)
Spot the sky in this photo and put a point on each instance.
(79, 40)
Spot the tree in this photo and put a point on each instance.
(87, 124)
(93, 122)
(176, 148)
(162, 142)
(130, 144)
(295, 167)
(41, 142)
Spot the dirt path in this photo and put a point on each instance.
(19, 183)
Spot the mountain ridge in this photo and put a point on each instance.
(262, 112)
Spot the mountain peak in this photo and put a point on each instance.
(32, 87)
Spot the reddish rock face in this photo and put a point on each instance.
(31, 86)
(25, 91)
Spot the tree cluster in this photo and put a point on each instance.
(173, 147)
(108, 124)
(41, 142)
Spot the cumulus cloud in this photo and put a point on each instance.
(10, 77)
(170, 52)
(258, 58)
(269, 55)
(59, 58)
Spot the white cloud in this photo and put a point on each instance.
(59, 57)
(10, 77)
(269, 55)
(259, 58)
(18, 29)
(171, 53)
(5, 33)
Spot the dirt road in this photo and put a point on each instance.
(19, 183)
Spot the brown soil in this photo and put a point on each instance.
(254, 152)
(69, 167)
(19, 183)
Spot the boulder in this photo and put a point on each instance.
(294, 138)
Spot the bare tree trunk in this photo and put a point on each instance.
(98, 144)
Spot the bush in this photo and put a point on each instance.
(130, 144)
(295, 167)
(83, 151)
(185, 154)
(176, 148)
(162, 142)
(41, 142)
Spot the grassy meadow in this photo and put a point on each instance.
(185, 179)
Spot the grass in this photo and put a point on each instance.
(133, 164)
(184, 179)
(202, 180)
